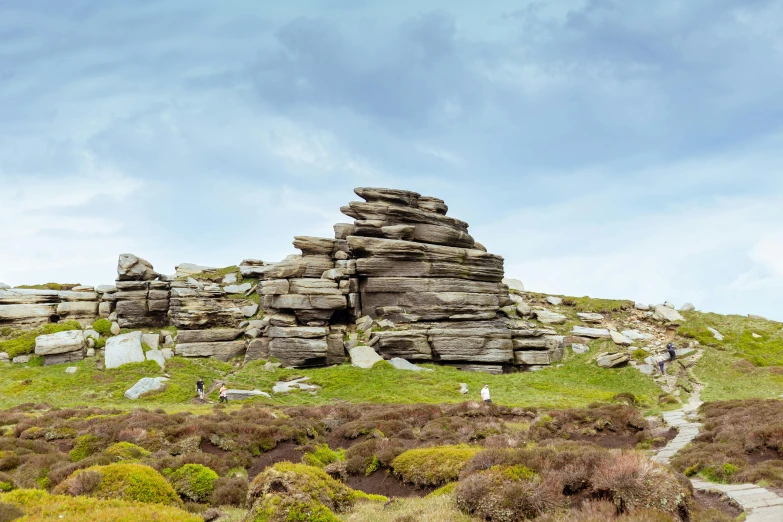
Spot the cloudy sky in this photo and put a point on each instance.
(603, 147)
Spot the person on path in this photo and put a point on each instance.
(661, 360)
(485, 393)
(223, 394)
(200, 388)
(670, 349)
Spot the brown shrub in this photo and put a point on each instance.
(9, 512)
(500, 495)
(229, 491)
(83, 483)
(633, 482)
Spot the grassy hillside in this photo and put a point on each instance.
(576, 383)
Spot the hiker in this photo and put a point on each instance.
(200, 388)
(223, 394)
(660, 359)
(485, 393)
(670, 349)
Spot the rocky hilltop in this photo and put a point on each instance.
(404, 280)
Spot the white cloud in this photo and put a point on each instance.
(66, 229)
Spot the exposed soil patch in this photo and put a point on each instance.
(285, 451)
(763, 455)
(208, 447)
(717, 502)
(386, 484)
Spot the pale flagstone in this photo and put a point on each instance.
(759, 504)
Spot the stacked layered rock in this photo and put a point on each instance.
(418, 267)
(28, 308)
(305, 299)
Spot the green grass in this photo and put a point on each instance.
(89, 385)
(577, 383)
(728, 377)
(22, 342)
(49, 286)
(216, 276)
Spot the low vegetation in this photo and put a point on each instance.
(124, 481)
(740, 442)
(39, 505)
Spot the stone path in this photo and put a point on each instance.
(760, 505)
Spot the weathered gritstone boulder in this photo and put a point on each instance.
(134, 268)
(612, 360)
(60, 342)
(145, 385)
(61, 347)
(667, 314)
(592, 333)
(123, 349)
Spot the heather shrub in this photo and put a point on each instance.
(193, 481)
(229, 491)
(288, 491)
(508, 494)
(126, 451)
(39, 505)
(85, 446)
(9, 512)
(321, 455)
(124, 481)
(633, 482)
(433, 466)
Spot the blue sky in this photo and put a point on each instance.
(603, 147)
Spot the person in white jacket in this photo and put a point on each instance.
(485, 393)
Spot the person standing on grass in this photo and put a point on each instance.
(200, 388)
(485, 393)
(223, 393)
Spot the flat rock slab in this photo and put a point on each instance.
(592, 333)
(60, 342)
(620, 339)
(221, 351)
(636, 335)
(364, 356)
(208, 336)
(239, 395)
(547, 317)
(296, 384)
(590, 317)
(123, 349)
(402, 364)
(147, 384)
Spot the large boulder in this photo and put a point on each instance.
(123, 349)
(60, 342)
(217, 350)
(157, 356)
(612, 360)
(364, 356)
(134, 268)
(514, 284)
(620, 339)
(590, 317)
(667, 314)
(147, 384)
(547, 317)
